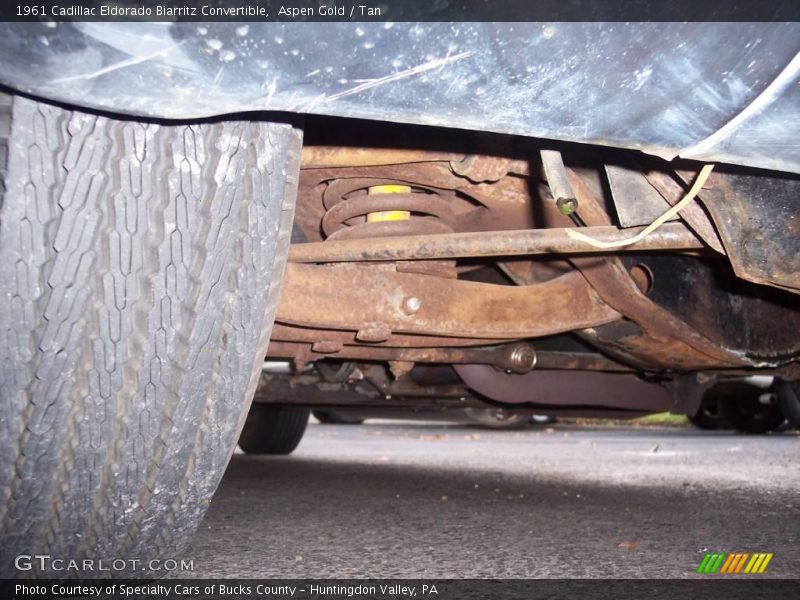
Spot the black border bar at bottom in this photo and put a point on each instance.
(710, 588)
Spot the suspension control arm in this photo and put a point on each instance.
(377, 302)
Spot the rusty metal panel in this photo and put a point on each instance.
(636, 201)
(758, 219)
(760, 322)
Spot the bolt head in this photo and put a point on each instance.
(523, 358)
(411, 305)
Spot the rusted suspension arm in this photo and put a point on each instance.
(325, 157)
(376, 301)
(327, 341)
(466, 165)
(672, 236)
(518, 357)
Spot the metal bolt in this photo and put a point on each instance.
(567, 206)
(522, 358)
(411, 305)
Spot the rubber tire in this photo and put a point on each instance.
(708, 416)
(273, 429)
(139, 269)
(332, 417)
(488, 418)
(5, 131)
(739, 406)
(789, 400)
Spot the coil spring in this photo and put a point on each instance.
(348, 205)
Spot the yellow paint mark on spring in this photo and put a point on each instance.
(388, 215)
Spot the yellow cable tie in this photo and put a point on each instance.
(676, 208)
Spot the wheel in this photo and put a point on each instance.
(273, 429)
(708, 416)
(740, 405)
(543, 419)
(332, 417)
(498, 418)
(788, 393)
(139, 270)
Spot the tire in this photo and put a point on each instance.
(708, 416)
(498, 418)
(739, 405)
(5, 131)
(543, 420)
(789, 400)
(332, 417)
(273, 429)
(139, 269)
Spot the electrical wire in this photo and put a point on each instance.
(676, 208)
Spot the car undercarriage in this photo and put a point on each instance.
(433, 267)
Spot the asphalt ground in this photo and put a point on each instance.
(421, 500)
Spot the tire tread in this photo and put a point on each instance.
(143, 263)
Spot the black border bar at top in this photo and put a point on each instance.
(400, 10)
